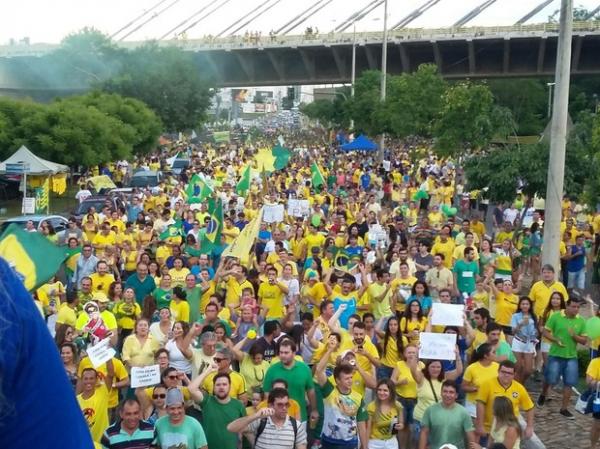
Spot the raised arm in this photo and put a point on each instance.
(320, 375)
(195, 385)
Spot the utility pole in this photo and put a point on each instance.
(558, 138)
(353, 75)
(383, 72)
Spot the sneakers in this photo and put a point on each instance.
(541, 400)
(566, 413)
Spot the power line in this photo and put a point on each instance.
(112, 36)
(154, 16)
(204, 17)
(414, 14)
(297, 24)
(250, 20)
(362, 15)
(200, 11)
(242, 18)
(533, 12)
(474, 13)
(354, 16)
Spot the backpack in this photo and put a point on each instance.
(263, 424)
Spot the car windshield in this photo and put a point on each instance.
(86, 205)
(143, 181)
(181, 163)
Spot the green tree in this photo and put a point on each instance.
(365, 108)
(168, 80)
(469, 119)
(414, 101)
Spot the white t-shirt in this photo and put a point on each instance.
(82, 195)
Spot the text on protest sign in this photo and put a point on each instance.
(145, 376)
(437, 346)
(100, 353)
(447, 314)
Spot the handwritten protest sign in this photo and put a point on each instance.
(145, 376)
(298, 208)
(273, 213)
(437, 346)
(447, 314)
(100, 353)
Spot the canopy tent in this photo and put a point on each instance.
(37, 165)
(361, 143)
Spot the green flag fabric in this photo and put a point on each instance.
(221, 136)
(244, 183)
(316, 175)
(172, 231)
(34, 258)
(282, 157)
(197, 190)
(212, 238)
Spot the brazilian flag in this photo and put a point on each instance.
(212, 238)
(197, 190)
(33, 257)
(172, 231)
(71, 254)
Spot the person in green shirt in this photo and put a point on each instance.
(466, 272)
(298, 376)
(501, 349)
(565, 332)
(218, 410)
(447, 422)
(193, 297)
(164, 293)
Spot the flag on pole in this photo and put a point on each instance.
(212, 238)
(197, 190)
(317, 178)
(242, 245)
(243, 185)
(33, 257)
(171, 231)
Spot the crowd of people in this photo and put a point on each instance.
(292, 346)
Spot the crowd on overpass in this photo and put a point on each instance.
(332, 301)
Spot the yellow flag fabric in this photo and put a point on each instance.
(241, 246)
(101, 182)
(59, 183)
(264, 159)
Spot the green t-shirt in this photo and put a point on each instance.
(187, 434)
(559, 325)
(505, 349)
(216, 416)
(163, 297)
(447, 425)
(193, 299)
(465, 275)
(299, 379)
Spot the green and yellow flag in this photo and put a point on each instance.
(243, 185)
(197, 190)
(212, 238)
(242, 245)
(33, 257)
(72, 255)
(172, 231)
(317, 178)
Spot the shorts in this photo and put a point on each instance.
(507, 330)
(392, 443)
(523, 347)
(559, 366)
(545, 346)
(471, 407)
(409, 407)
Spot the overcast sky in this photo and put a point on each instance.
(50, 20)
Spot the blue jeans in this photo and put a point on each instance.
(559, 366)
(384, 372)
(577, 279)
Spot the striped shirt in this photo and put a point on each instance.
(274, 437)
(116, 438)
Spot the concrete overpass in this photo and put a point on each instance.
(475, 52)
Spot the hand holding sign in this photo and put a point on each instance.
(447, 314)
(145, 376)
(437, 346)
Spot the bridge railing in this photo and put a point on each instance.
(328, 39)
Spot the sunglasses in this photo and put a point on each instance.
(172, 377)
(218, 360)
(159, 396)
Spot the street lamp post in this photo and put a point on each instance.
(353, 75)
(383, 72)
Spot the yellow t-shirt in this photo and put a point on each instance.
(540, 295)
(95, 411)
(506, 305)
(126, 314)
(234, 291)
(101, 283)
(405, 285)
(314, 241)
(491, 389)
(408, 390)
(317, 293)
(409, 326)
(477, 374)
(181, 311)
(230, 234)
(66, 315)
(103, 241)
(238, 384)
(445, 248)
(391, 356)
(593, 369)
(120, 374)
(178, 276)
(271, 296)
(381, 423)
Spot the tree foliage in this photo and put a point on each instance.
(86, 130)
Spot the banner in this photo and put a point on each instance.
(447, 314)
(145, 376)
(298, 208)
(437, 346)
(273, 213)
(100, 353)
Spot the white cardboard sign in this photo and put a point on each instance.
(298, 208)
(145, 376)
(447, 314)
(100, 353)
(437, 346)
(273, 213)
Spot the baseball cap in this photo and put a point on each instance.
(174, 397)
(100, 297)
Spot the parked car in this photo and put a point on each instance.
(98, 202)
(179, 165)
(58, 222)
(145, 178)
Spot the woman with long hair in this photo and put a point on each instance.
(180, 351)
(68, 355)
(413, 321)
(556, 304)
(162, 330)
(221, 332)
(180, 308)
(90, 228)
(65, 333)
(392, 347)
(406, 390)
(115, 293)
(525, 333)
(150, 309)
(420, 292)
(487, 258)
(139, 347)
(482, 368)
(386, 417)
(505, 429)
(126, 312)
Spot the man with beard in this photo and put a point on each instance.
(218, 410)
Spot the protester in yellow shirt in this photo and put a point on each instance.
(93, 400)
(101, 279)
(444, 245)
(271, 295)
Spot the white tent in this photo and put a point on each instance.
(37, 165)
